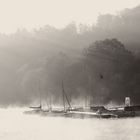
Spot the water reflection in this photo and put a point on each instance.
(15, 125)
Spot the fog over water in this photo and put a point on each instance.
(57, 54)
(17, 126)
(101, 60)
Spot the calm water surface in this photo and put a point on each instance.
(14, 125)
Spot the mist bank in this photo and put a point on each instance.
(98, 63)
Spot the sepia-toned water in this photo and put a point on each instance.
(14, 125)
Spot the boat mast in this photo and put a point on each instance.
(48, 102)
(88, 98)
(65, 96)
(50, 108)
(40, 104)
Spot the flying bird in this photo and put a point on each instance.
(101, 76)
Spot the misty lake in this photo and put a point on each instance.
(14, 125)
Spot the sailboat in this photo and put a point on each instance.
(60, 111)
(34, 109)
(37, 108)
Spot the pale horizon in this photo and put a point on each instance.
(29, 14)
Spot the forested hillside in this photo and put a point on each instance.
(99, 61)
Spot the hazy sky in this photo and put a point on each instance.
(36, 13)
